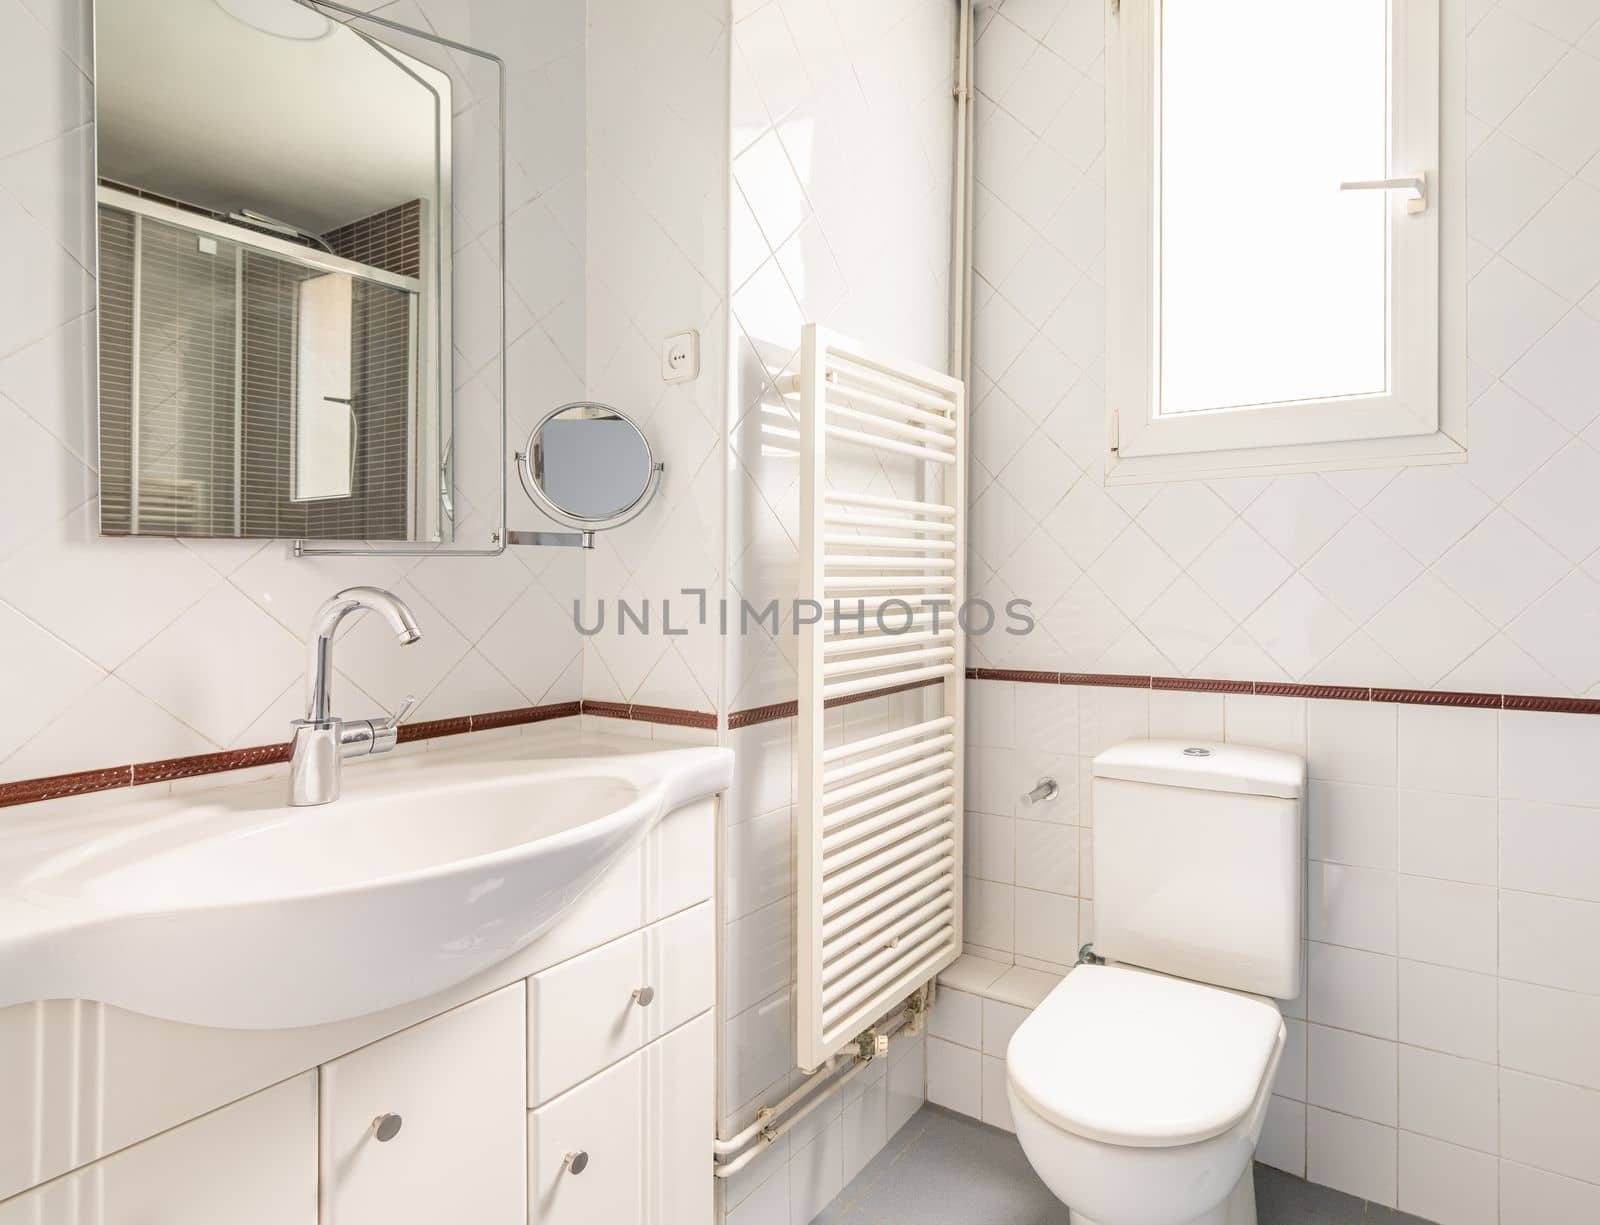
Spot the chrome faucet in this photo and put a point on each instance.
(322, 740)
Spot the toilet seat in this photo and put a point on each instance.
(1138, 1059)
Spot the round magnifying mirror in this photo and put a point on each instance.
(588, 466)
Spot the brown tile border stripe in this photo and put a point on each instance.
(1327, 693)
(1558, 706)
(208, 763)
(525, 714)
(430, 729)
(57, 786)
(1293, 689)
(1438, 697)
(1021, 675)
(671, 716)
(1192, 684)
(763, 714)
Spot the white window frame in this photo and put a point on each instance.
(1421, 419)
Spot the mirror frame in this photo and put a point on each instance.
(532, 454)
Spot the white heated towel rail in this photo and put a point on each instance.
(881, 817)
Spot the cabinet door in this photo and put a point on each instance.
(585, 1151)
(251, 1163)
(456, 1085)
(631, 1146)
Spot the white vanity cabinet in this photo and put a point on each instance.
(597, 1038)
(251, 1163)
(427, 1126)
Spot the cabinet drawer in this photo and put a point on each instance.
(638, 1136)
(460, 1153)
(251, 1163)
(586, 1014)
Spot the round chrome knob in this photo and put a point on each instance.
(386, 1127)
(577, 1162)
(642, 996)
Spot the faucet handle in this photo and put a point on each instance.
(407, 705)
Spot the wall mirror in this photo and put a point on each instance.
(281, 220)
(588, 467)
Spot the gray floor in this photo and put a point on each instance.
(947, 1169)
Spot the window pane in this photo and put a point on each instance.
(1273, 283)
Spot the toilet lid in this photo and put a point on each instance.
(1139, 1059)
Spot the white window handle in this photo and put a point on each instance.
(1416, 184)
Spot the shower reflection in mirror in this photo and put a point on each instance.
(274, 207)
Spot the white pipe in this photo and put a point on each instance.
(931, 757)
(888, 934)
(846, 540)
(914, 883)
(887, 821)
(770, 1137)
(889, 839)
(878, 561)
(895, 659)
(898, 424)
(856, 747)
(849, 379)
(838, 820)
(840, 689)
(839, 498)
(898, 524)
(888, 444)
(877, 642)
(935, 852)
(734, 1143)
(889, 757)
(768, 1133)
(961, 230)
(880, 921)
(885, 582)
(889, 411)
(964, 273)
(929, 951)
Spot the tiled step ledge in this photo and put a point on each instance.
(979, 1006)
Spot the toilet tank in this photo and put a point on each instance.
(1199, 862)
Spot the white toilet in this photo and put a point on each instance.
(1139, 1087)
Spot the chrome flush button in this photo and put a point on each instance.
(1196, 752)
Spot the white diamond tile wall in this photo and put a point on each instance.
(1483, 576)
(657, 122)
(133, 650)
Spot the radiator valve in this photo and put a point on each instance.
(867, 1044)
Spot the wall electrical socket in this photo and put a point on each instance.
(680, 357)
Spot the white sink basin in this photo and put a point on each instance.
(228, 908)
